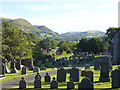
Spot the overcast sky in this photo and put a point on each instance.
(64, 15)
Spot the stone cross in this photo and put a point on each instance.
(14, 70)
(22, 83)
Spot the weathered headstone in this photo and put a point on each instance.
(37, 82)
(6, 68)
(36, 69)
(89, 74)
(14, 70)
(96, 65)
(47, 78)
(24, 70)
(70, 85)
(22, 83)
(87, 67)
(104, 73)
(86, 83)
(54, 84)
(31, 64)
(115, 78)
(61, 75)
(38, 75)
(74, 74)
(18, 64)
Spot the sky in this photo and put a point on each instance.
(64, 15)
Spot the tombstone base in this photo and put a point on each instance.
(104, 79)
(14, 71)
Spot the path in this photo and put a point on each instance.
(15, 82)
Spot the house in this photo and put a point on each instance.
(115, 50)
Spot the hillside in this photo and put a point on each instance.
(45, 32)
(79, 35)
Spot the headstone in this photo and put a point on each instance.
(22, 83)
(83, 73)
(14, 70)
(42, 68)
(31, 64)
(86, 83)
(38, 75)
(54, 84)
(115, 78)
(6, 68)
(87, 67)
(70, 85)
(3, 69)
(24, 70)
(74, 74)
(61, 75)
(36, 69)
(18, 64)
(37, 82)
(104, 73)
(47, 78)
(89, 74)
(96, 65)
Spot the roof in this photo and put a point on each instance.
(115, 37)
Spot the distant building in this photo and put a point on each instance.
(115, 50)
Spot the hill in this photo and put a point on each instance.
(45, 32)
(79, 35)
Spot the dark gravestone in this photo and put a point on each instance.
(89, 74)
(61, 75)
(18, 64)
(104, 73)
(22, 83)
(83, 73)
(86, 84)
(14, 70)
(6, 68)
(74, 74)
(115, 78)
(37, 82)
(24, 70)
(36, 69)
(38, 75)
(96, 65)
(70, 85)
(54, 84)
(47, 78)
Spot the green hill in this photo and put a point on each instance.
(45, 32)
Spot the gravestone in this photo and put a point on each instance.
(96, 65)
(89, 74)
(22, 83)
(3, 69)
(31, 64)
(104, 73)
(37, 82)
(18, 64)
(6, 68)
(115, 78)
(87, 67)
(61, 75)
(38, 75)
(70, 85)
(54, 84)
(83, 73)
(14, 70)
(42, 68)
(86, 84)
(47, 78)
(36, 69)
(74, 74)
(24, 71)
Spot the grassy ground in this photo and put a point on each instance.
(64, 84)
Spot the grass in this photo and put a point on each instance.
(11, 76)
(96, 75)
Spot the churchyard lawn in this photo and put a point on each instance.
(64, 84)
